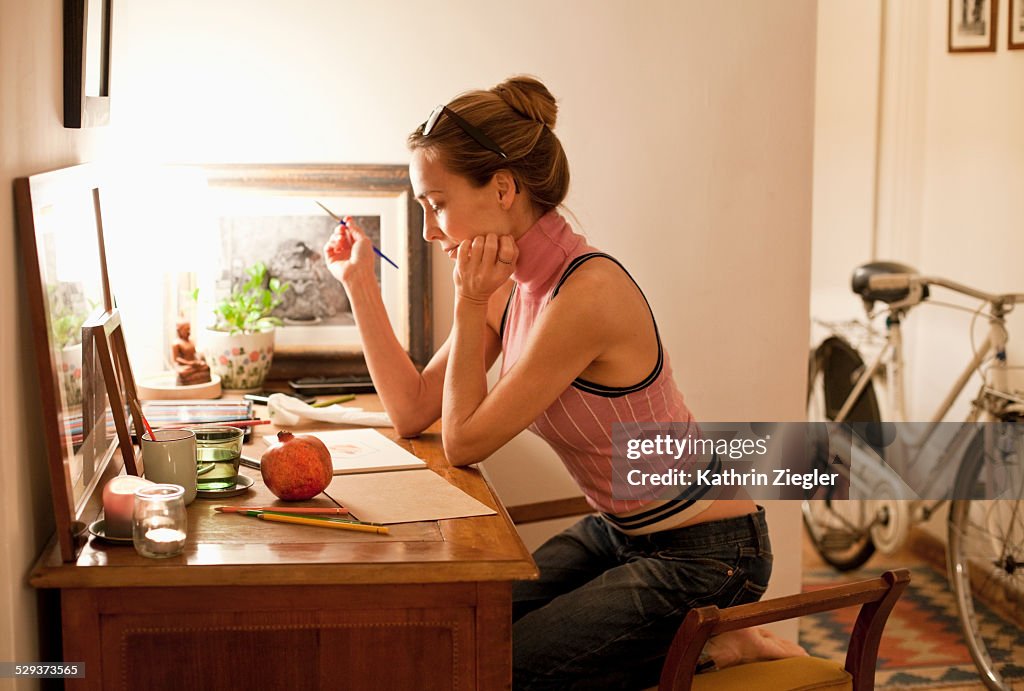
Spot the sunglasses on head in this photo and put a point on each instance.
(474, 132)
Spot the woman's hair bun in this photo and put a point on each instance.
(530, 98)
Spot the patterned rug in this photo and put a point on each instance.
(922, 645)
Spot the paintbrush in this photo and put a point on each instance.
(342, 222)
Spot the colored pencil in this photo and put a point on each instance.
(136, 408)
(222, 423)
(302, 520)
(334, 511)
(313, 517)
(331, 401)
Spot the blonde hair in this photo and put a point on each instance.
(518, 115)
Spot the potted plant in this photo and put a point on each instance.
(240, 345)
(68, 312)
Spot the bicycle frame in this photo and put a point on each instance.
(891, 355)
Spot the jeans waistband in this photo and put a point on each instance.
(751, 529)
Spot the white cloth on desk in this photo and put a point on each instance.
(285, 411)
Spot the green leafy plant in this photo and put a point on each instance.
(66, 318)
(66, 330)
(248, 308)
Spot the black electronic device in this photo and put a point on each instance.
(333, 385)
(262, 397)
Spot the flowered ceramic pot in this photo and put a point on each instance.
(241, 360)
(71, 373)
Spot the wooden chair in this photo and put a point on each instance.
(876, 596)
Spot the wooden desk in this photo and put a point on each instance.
(251, 605)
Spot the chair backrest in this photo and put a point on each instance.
(876, 596)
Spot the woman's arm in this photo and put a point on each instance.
(590, 317)
(411, 398)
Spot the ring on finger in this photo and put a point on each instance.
(503, 261)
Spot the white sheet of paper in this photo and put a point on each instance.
(404, 497)
(363, 451)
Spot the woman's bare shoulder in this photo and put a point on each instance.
(601, 289)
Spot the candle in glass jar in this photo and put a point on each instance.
(159, 521)
(118, 500)
(164, 540)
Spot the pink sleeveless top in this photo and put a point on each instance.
(578, 425)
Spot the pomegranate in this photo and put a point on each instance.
(297, 467)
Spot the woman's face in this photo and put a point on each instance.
(453, 209)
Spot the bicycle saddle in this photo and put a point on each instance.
(863, 273)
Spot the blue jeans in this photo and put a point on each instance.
(607, 605)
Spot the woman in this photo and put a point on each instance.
(581, 352)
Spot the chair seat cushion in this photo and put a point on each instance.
(775, 675)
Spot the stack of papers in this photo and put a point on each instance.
(363, 451)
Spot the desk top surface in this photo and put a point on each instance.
(232, 550)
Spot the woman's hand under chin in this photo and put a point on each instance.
(483, 265)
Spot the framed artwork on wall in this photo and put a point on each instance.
(87, 62)
(269, 214)
(1016, 25)
(972, 25)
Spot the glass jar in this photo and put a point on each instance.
(159, 521)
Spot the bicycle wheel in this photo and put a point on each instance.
(840, 529)
(986, 556)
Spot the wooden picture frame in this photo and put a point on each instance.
(269, 213)
(1015, 25)
(972, 26)
(87, 35)
(78, 342)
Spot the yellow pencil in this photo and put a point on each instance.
(299, 520)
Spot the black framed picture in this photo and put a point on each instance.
(87, 35)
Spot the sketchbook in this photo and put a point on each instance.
(363, 451)
(404, 497)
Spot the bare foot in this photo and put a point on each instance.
(749, 645)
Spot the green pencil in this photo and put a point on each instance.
(331, 401)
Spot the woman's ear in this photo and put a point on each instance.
(507, 187)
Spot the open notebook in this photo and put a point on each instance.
(363, 451)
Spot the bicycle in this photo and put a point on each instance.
(982, 464)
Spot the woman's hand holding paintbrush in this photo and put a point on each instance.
(348, 247)
(348, 253)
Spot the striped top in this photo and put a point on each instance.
(578, 425)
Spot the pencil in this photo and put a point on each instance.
(312, 517)
(232, 423)
(219, 423)
(333, 519)
(302, 520)
(331, 401)
(334, 511)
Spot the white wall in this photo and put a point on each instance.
(688, 126)
(845, 142)
(32, 140)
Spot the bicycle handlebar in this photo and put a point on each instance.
(905, 281)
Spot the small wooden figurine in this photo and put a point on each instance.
(190, 366)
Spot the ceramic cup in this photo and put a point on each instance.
(171, 458)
